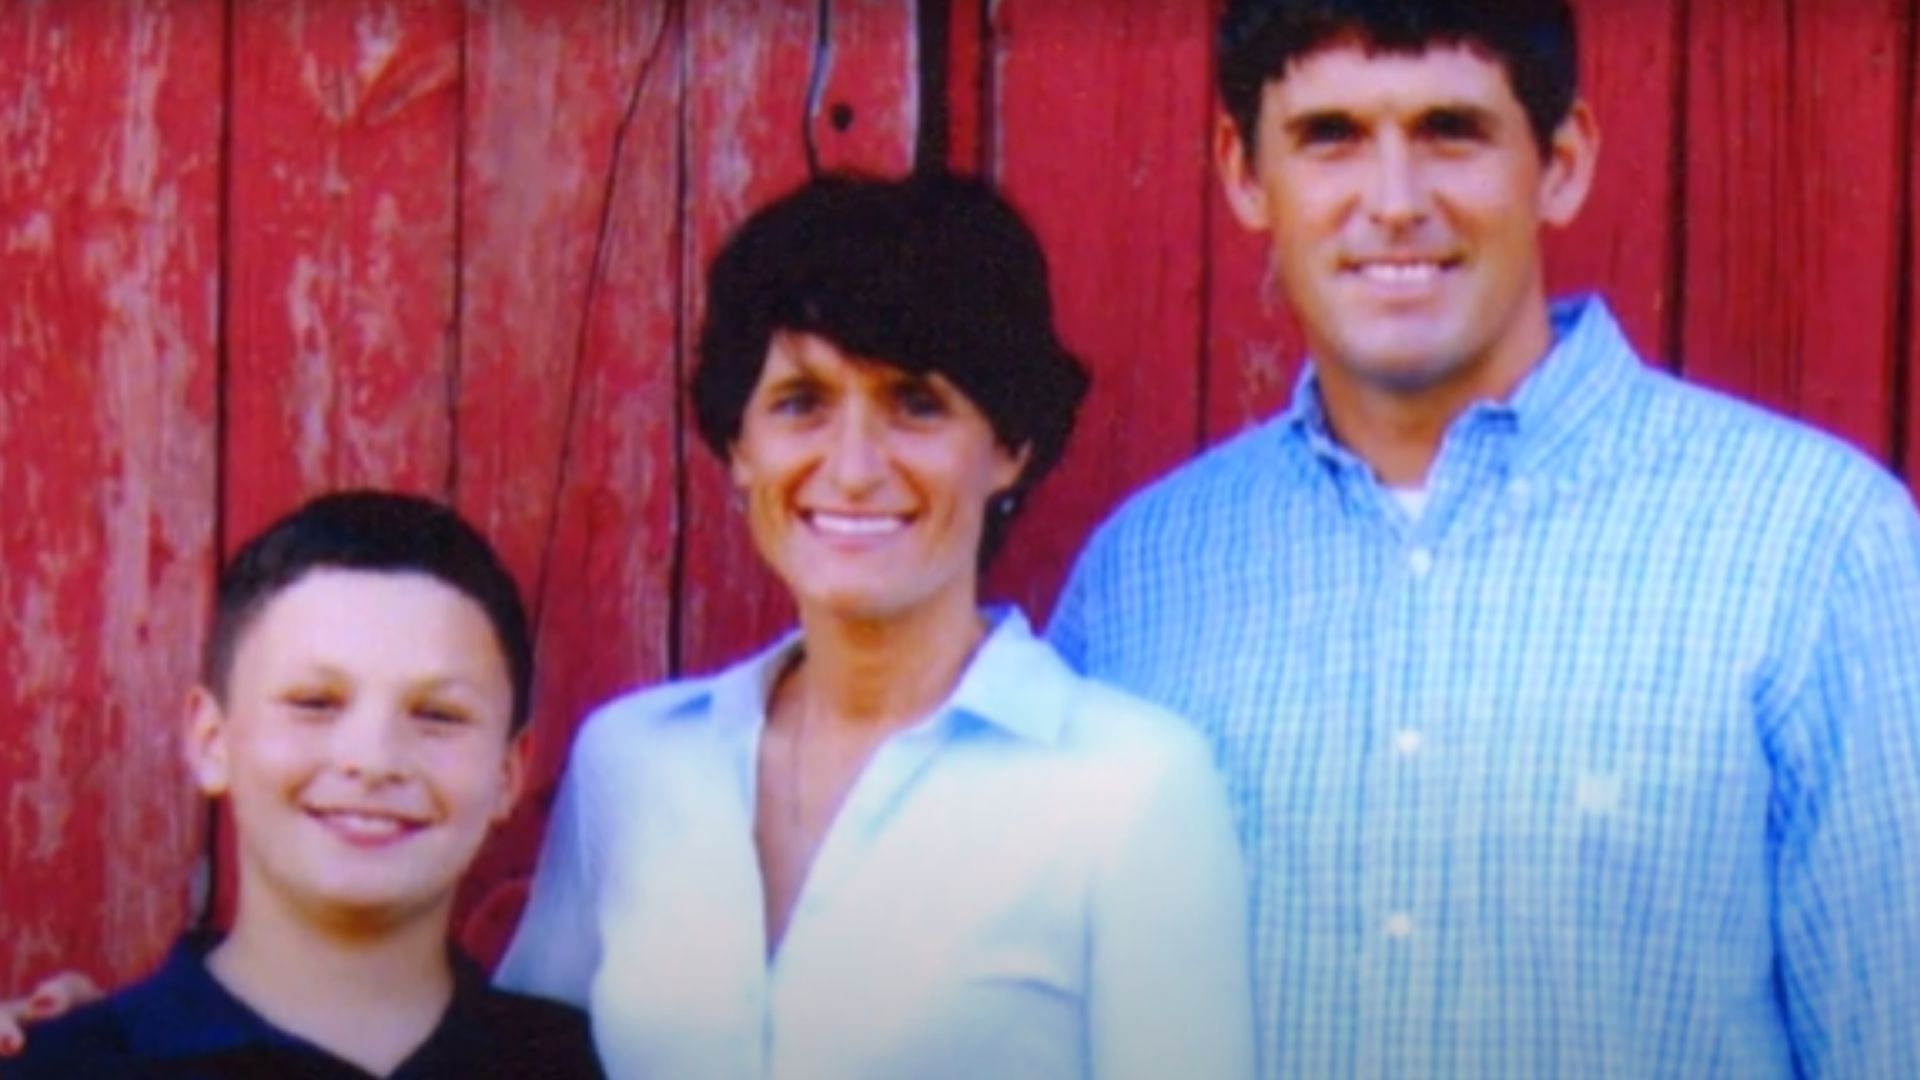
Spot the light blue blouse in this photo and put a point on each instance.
(1041, 879)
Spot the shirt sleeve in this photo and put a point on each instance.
(556, 948)
(1169, 991)
(1846, 814)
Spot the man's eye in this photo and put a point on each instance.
(1451, 127)
(1328, 131)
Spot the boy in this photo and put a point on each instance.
(362, 707)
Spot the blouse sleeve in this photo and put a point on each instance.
(556, 949)
(1169, 990)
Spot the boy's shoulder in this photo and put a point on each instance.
(536, 1037)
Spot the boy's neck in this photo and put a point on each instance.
(370, 998)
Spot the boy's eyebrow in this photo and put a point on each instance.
(1306, 121)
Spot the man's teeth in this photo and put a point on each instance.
(1400, 273)
(862, 525)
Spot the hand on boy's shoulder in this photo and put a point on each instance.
(87, 1041)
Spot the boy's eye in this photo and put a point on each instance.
(312, 702)
(440, 714)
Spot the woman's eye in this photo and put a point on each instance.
(915, 399)
(798, 401)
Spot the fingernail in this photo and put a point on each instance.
(39, 1003)
(9, 1044)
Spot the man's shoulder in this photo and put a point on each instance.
(1791, 464)
(1225, 477)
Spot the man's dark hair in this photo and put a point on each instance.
(380, 531)
(931, 274)
(1533, 40)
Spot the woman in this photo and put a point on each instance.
(905, 840)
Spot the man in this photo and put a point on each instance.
(1571, 713)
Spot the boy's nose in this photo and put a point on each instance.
(367, 743)
(854, 454)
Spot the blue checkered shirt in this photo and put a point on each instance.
(1606, 765)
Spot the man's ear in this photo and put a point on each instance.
(515, 766)
(1571, 157)
(205, 742)
(1238, 177)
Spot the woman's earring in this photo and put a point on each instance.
(1006, 503)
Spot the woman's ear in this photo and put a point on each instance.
(1010, 466)
(205, 742)
(515, 766)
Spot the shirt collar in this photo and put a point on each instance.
(183, 1012)
(1014, 683)
(1577, 380)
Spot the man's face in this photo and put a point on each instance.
(363, 743)
(1404, 195)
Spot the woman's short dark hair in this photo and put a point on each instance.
(1533, 40)
(380, 531)
(935, 273)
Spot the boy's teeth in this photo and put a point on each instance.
(855, 526)
(365, 824)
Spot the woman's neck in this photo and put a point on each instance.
(369, 997)
(886, 672)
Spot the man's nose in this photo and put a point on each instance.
(1396, 190)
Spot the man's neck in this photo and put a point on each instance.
(370, 998)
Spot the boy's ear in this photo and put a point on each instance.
(205, 742)
(517, 763)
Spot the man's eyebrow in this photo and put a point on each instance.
(1481, 117)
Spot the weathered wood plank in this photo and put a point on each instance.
(751, 129)
(1622, 245)
(109, 206)
(1099, 135)
(566, 423)
(1792, 179)
(341, 249)
(1910, 271)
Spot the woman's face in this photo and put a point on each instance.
(866, 485)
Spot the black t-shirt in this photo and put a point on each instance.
(181, 1024)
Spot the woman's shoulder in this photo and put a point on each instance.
(1104, 724)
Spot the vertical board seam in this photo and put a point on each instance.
(682, 245)
(1674, 317)
(456, 331)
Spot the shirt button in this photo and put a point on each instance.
(1399, 925)
(1407, 742)
(1420, 561)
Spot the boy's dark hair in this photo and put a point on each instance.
(380, 531)
(1534, 40)
(931, 274)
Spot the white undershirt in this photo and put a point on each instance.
(1413, 500)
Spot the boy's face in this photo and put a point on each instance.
(363, 742)
(1404, 196)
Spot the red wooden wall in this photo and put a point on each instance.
(253, 249)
